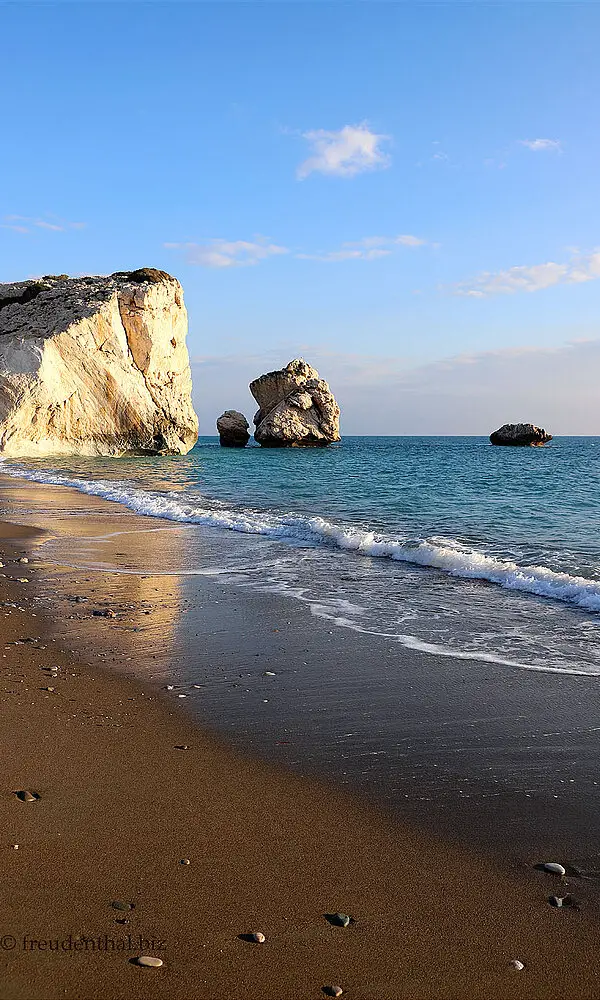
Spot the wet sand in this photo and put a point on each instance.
(120, 807)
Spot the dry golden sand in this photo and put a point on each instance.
(120, 807)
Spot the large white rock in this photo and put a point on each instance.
(95, 366)
(297, 408)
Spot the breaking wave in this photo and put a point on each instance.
(442, 554)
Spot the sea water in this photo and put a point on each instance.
(444, 544)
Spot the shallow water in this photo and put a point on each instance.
(446, 545)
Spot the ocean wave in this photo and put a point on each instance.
(445, 555)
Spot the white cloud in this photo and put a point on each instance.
(224, 253)
(24, 223)
(352, 150)
(534, 278)
(542, 145)
(369, 248)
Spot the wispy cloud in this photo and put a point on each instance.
(542, 145)
(533, 278)
(24, 224)
(351, 150)
(369, 248)
(228, 253)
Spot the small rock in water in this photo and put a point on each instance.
(121, 904)
(332, 991)
(169, 687)
(258, 937)
(182, 695)
(554, 868)
(149, 962)
(197, 686)
(518, 965)
(269, 673)
(26, 796)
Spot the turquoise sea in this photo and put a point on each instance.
(448, 545)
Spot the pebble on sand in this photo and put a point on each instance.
(149, 962)
(554, 868)
(517, 964)
(258, 937)
(121, 904)
(339, 919)
(185, 861)
(181, 746)
(332, 991)
(26, 796)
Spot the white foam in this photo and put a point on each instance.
(445, 555)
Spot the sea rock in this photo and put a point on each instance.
(297, 408)
(95, 366)
(520, 435)
(233, 429)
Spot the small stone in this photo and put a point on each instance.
(15, 847)
(48, 689)
(197, 686)
(22, 579)
(182, 746)
(185, 861)
(269, 673)
(149, 962)
(121, 904)
(566, 901)
(339, 919)
(182, 695)
(517, 964)
(169, 687)
(554, 868)
(23, 559)
(258, 937)
(332, 991)
(26, 796)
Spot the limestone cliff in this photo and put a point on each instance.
(95, 366)
(297, 408)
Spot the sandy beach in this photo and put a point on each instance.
(121, 806)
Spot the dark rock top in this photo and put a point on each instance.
(520, 435)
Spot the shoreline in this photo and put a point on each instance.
(120, 808)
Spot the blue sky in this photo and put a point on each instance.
(395, 191)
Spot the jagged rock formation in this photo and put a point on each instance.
(296, 408)
(520, 435)
(95, 366)
(233, 429)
